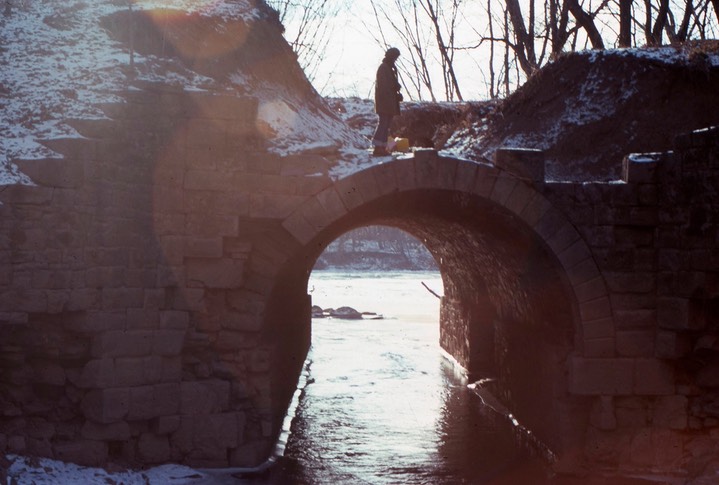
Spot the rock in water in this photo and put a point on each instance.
(317, 312)
(346, 313)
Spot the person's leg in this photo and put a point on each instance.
(382, 132)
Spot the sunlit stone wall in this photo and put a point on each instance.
(133, 287)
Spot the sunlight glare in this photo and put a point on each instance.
(275, 116)
(196, 36)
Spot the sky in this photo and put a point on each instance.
(352, 54)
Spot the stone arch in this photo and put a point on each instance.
(427, 194)
(507, 190)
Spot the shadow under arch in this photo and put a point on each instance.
(510, 311)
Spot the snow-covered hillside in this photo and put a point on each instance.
(587, 110)
(59, 63)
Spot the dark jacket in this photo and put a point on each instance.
(386, 90)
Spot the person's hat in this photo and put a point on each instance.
(392, 53)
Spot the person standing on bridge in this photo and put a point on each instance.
(387, 97)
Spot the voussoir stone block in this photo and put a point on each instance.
(484, 182)
(331, 202)
(595, 309)
(465, 175)
(437, 173)
(503, 187)
(349, 193)
(405, 173)
(367, 185)
(386, 178)
(299, 227)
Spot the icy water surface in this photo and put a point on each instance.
(383, 405)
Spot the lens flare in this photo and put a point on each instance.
(196, 31)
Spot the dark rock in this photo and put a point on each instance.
(346, 313)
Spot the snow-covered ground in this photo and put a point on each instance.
(42, 471)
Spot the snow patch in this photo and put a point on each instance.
(43, 471)
(645, 157)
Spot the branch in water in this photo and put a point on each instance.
(430, 290)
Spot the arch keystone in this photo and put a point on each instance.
(405, 172)
(435, 172)
(386, 178)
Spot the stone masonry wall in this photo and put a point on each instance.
(651, 358)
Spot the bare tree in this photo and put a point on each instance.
(437, 15)
(414, 64)
(507, 40)
(428, 32)
(308, 28)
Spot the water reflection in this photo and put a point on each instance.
(385, 407)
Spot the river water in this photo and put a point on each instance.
(383, 405)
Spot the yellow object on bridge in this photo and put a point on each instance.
(398, 145)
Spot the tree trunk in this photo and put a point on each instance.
(656, 37)
(524, 48)
(587, 23)
(625, 23)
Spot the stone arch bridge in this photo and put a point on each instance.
(154, 307)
